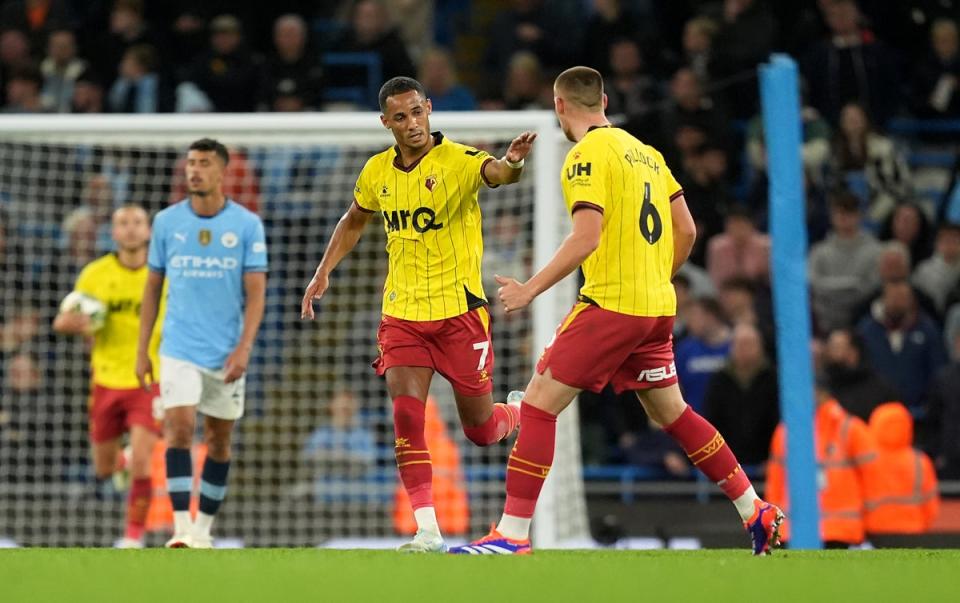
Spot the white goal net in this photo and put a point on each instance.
(313, 456)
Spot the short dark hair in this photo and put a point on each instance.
(209, 144)
(582, 86)
(948, 226)
(738, 211)
(711, 306)
(399, 85)
(145, 55)
(27, 72)
(845, 201)
(739, 283)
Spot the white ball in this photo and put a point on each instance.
(81, 303)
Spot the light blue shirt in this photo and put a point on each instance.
(204, 259)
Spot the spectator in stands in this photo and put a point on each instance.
(292, 65)
(60, 70)
(740, 250)
(864, 159)
(893, 265)
(87, 94)
(743, 302)
(630, 90)
(909, 224)
(851, 66)
(188, 37)
(691, 119)
(525, 88)
(127, 27)
(857, 387)
(816, 144)
(698, 36)
(940, 274)
(342, 452)
(842, 268)
(36, 18)
(14, 53)
(438, 75)
(609, 22)
(936, 84)
(371, 31)
(704, 349)
(744, 39)
(228, 73)
(944, 422)
(707, 191)
(23, 91)
(80, 237)
(530, 26)
(901, 486)
(741, 398)
(140, 87)
(903, 344)
(844, 450)
(287, 97)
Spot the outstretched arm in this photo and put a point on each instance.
(345, 237)
(498, 171)
(684, 232)
(579, 244)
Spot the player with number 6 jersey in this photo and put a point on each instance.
(631, 232)
(435, 315)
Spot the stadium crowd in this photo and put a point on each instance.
(884, 260)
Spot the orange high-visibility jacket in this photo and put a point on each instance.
(844, 449)
(902, 493)
(449, 488)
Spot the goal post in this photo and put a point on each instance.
(61, 174)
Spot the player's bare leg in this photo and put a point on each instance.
(217, 435)
(709, 452)
(408, 387)
(104, 456)
(485, 422)
(142, 443)
(527, 467)
(179, 425)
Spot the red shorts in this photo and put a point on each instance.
(594, 347)
(114, 411)
(458, 348)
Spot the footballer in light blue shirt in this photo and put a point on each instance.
(212, 253)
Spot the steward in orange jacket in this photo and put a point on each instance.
(844, 450)
(902, 493)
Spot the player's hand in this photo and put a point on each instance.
(520, 147)
(236, 364)
(315, 290)
(145, 372)
(513, 294)
(73, 322)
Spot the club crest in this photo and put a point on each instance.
(430, 182)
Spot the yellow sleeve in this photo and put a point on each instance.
(583, 181)
(475, 161)
(364, 196)
(87, 282)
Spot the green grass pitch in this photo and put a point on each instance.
(268, 575)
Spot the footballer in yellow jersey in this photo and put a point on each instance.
(117, 403)
(631, 232)
(435, 315)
